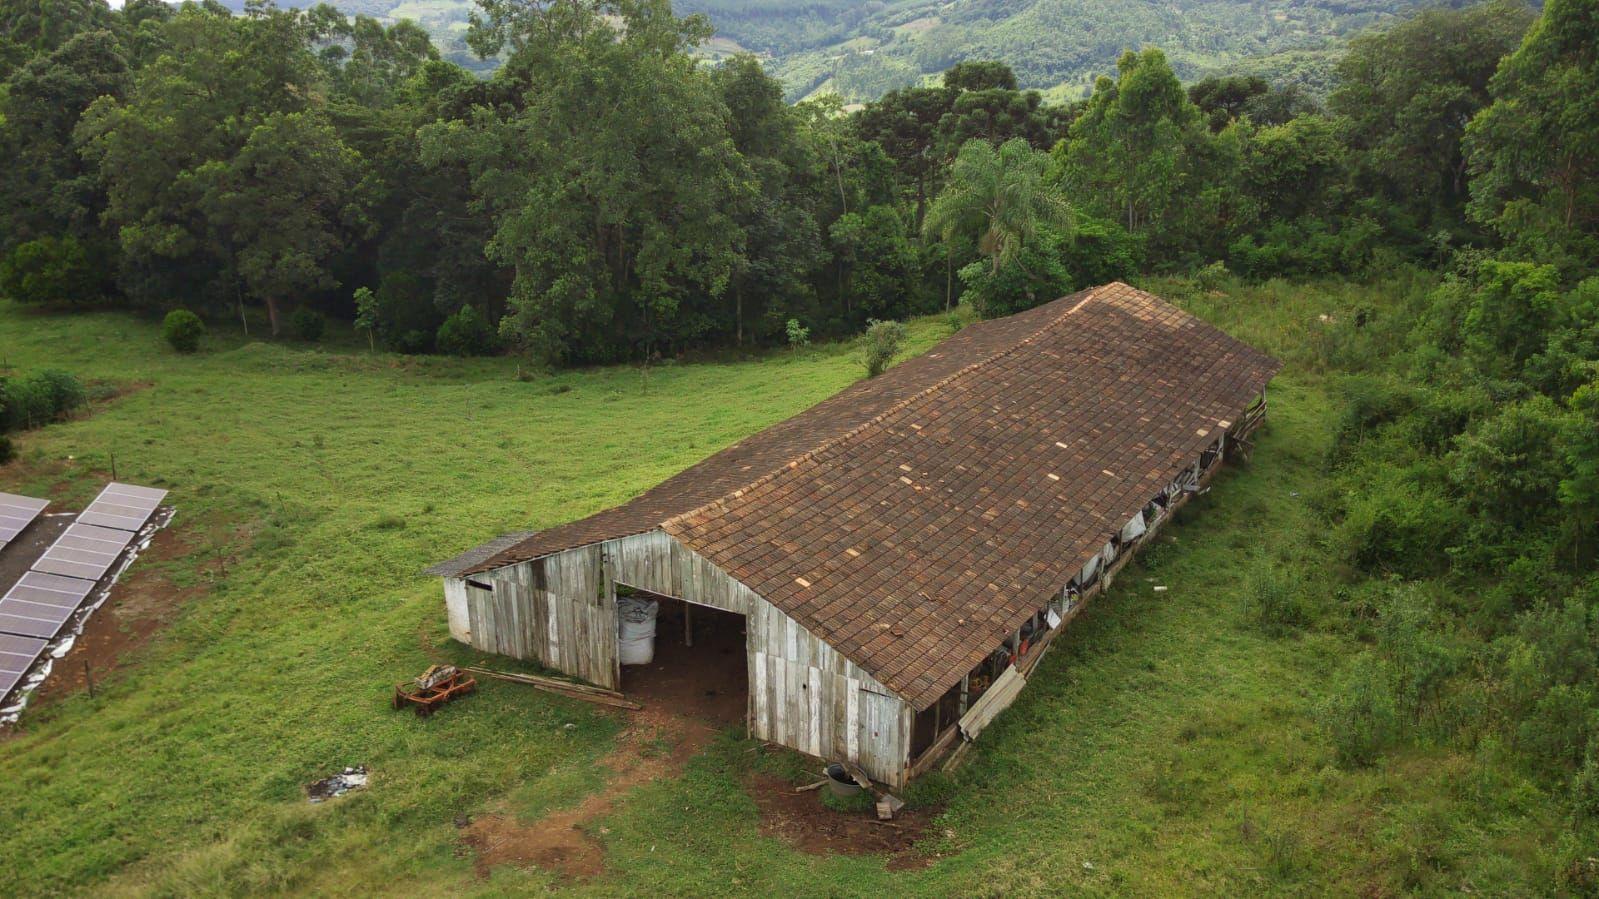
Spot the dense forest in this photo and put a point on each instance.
(607, 195)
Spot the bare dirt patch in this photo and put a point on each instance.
(689, 695)
(564, 841)
(801, 820)
(141, 603)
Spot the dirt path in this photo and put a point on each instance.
(689, 695)
(143, 601)
(563, 841)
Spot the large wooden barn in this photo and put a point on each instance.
(899, 556)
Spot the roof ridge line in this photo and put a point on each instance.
(1092, 293)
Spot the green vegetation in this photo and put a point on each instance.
(1170, 742)
(1373, 671)
(182, 330)
(38, 400)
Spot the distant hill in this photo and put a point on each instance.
(861, 50)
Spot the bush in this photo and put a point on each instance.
(1394, 525)
(1034, 277)
(1276, 603)
(406, 316)
(49, 270)
(183, 330)
(1360, 716)
(8, 450)
(36, 401)
(798, 335)
(881, 343)
(62, 392)
(466, 333)
(308, 324)
(411, 342)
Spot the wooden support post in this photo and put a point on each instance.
(965, 685)
(688, 624)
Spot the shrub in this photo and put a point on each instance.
(183, 330)
(62, 392)
(1276, 603)
(1036, 276)
(49, 270)
(1395, 525)
(411, 342)
(8, 450)
(1360, 717)
(32, 402)
(798, 335)
(308, 324)
(881, 343)
(466, 333)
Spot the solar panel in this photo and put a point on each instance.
(84, 551)
(16, 513)
(17, 655)
(122, 506)
(40, 603)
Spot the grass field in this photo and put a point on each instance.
(1168, 746)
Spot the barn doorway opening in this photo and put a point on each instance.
(699, 667)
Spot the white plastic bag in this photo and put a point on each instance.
(637, 639)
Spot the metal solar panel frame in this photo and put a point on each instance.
(17, 655)
(39, 604)
(124, 507)
(84, 551)
(16, 513)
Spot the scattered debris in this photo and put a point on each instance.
(435, 687)
(887, 805)
(569, 689)
(1160, 588)
(809, 787)
(333, 787)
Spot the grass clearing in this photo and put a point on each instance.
(1168, 745)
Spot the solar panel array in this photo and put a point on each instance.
(16, 513)
(84, 551)
(39, 604)
(34, 610)
(122, 506)
(17, 655)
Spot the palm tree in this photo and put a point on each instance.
(998, 198)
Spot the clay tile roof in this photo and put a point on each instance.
(956, 493)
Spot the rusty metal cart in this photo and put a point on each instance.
(437, 685)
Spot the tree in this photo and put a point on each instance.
(366, 315)
(771, 274)
(980, 75)
(1405, 95)
(1223, 98)
(610, 187)
(48, 188)
(215, 78)
(998, 199)
(281, 205)
(905, 123)
(1532, 150)
(880, 264)
(49, 271)
(1130, 152)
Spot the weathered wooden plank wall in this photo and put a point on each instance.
(559, 611)
(803, 693)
